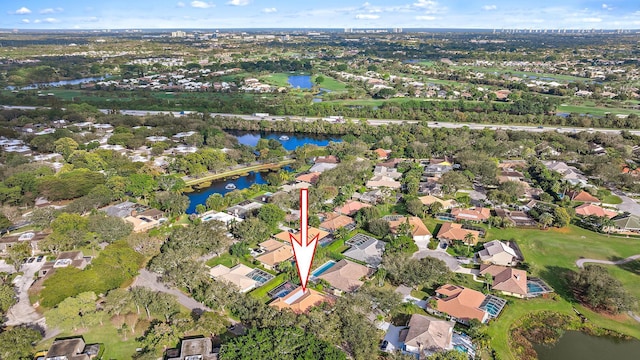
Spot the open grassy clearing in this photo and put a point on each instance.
(277, 79)
(332, 84)
(599, 111)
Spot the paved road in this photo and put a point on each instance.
(22, 312)
(580, 263)
(150, 280)
(629, 205)
(374, 122)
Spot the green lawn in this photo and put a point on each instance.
(277, 79)
(115, 345)
(229, 261)
(612, 199)
(551, 254)
(261, 292)
(332, 84)
(594, 110)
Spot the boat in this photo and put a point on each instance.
(284, 138)
(230, 186)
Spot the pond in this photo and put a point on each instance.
(575, 345)
(300, 81)
(60, 83)
(290, 141)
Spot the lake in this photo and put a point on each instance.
(243, 182)
(300, 81)
(575, 345)
(218, 186)
(295, 140)
(60, 83)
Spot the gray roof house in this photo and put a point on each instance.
(365, 249)
(193, 349)
(426, 335)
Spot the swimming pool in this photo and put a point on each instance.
(492, 309)
(533, 287)
(460, 348)
(326, 266)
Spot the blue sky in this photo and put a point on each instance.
(218, 14)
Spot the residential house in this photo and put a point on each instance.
(419, 232)
(123, 209)
(365, 249)
(460, 303)
(498, 253)
(345, 275)
(350, 207)
(429, 187)
(200, 348)
(372, 197)
(310, 178)
(72, 349)
(425, 335)
(322, 167)
(329, 159)
(479, 214)
(589, 209)
(430, 199)
(626, 223)
(451, 232)
(65, 259)
(507, 280)
(154, 214)
(517, 218)
(390, 163)
(382, 153)
(334, 221)
(242, 276)
(510, 175)
(569, 173)
(386, 171)
(300, 301)
(141, 223)
(31, 237)
(437, 170)
(582, 196)
(383, 181)
(273, 252)
(244, 208)
(220, 216)
(312, 233)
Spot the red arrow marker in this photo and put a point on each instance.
(303, 248)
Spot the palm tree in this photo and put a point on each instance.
(546, 219)
(607, 224)
(468, 238)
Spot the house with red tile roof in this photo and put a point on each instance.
(419, 232)
(300, 301)
(382, 153)
(507, 280)
(451, 232)
(582, 196)
(329, 159)
(588, 209)
(335, 221)
(350, 207)
(460, 303)
(479, 214)
(310, 178)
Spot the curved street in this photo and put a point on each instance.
(580, 262)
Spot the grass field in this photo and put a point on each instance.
(261, 292)
(599, 111)
(277, 79)
(332, 84)
(612, 199)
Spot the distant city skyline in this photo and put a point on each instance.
(220, 14)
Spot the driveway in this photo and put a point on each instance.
(452, 263)
(150, 281)
(22, 312)
(393, 337)
(628, 205)
(580, 262)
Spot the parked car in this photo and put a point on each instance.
(384, 345)
(31, 259)
(39, 259)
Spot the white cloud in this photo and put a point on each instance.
(239, 2)
(591, 20)
(22, 11)
(26, 21)
(425, 18)
(50, 20)
(51, 10)
(180, 4)
(367, 17)
(489, 7)
(36, 21)
(429, 6)
(607, 7)
(201, 4)
(269, 10)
